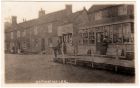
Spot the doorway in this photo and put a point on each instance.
(99, 40)
(43, 44)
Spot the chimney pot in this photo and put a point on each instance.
(14, 20)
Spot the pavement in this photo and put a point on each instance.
(41, 68)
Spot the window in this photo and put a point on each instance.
(36, 30)
(18, 34)
(117, 33)
(122, 10)
(120, 33)
(85, 34)
(111, 33)
(36, 42)
(98, 15)
(28, 43)
(70, 38)
(132, 32)
(49, 28)
(12, 35)
(85, 37)
(81, 38)
(24, 33)
(85, 41)
(105, 13)
(106, 30)
(126, 32)
(50, 42)
(91, 38)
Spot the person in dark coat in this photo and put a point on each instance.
(55, 51)
(104, 45)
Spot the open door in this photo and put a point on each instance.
(43, 44)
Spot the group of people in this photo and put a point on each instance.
(61, 47)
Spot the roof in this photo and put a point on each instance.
(45, 19)
(51, 17)
(75, 15)
(99, 7)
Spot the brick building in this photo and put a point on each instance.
(34, 35)
(81, 32)
(43, 33)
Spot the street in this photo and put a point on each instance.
(34, 68)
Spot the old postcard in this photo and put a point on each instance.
(69, 42)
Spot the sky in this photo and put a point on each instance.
(29, 10)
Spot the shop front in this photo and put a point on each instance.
(111, 39)
(65, 34)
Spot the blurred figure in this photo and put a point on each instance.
(104, 45)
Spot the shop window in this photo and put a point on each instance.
(106, 31)
(85, 41)
(85, 37)
(126, 32)
(70, 38)
(132, 32)
(99, 36)
(120, 33)
(115, 34)
(111, 33)
(85, 34)
(91, 38)
(81, 38)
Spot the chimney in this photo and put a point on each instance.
(68, 9)
(41, 13)
(14, 20)
(24, 20)
(84, 8)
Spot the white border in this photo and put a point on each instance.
(99, 85)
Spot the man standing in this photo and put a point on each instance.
(104, 46)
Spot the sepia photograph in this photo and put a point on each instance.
(69, 42)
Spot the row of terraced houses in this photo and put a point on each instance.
(82, 31)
